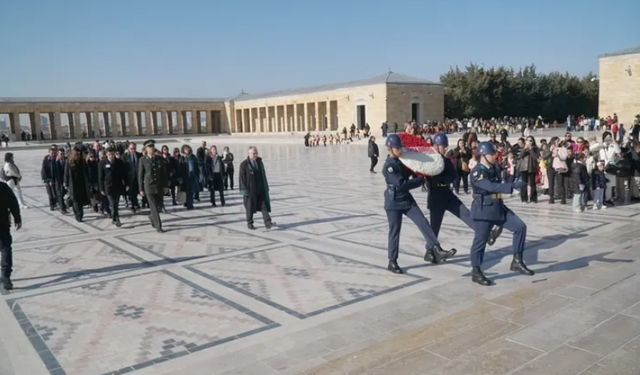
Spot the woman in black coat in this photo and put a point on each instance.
(76, 182)
(374, 153)
(172, 170)
(227, 158)
(528, 167)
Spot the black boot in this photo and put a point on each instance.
(6, 282)
(495, 233)
(440, 256)
(428, 257)
(250, 226)
(479, 278)
(517, 265)
(394, 267)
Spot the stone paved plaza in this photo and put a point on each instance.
(313, 296)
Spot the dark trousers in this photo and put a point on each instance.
(154, 206)
(442, 200)
(6, 254)
(563, 185)
(552, 175)
(212, 194)
(133, 198)
(78, 211)
(483, 230)
(104, 204)
(114, 201)
(374, 162)
(395, 225)
(530, 179)
(55, 192)
(464, 177)
(263, 208)
(192, 190)
(228, 179)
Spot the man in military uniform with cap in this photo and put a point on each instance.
(154, 182)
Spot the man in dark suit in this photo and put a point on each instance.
(254, 189)
(112, 181)
(154, 182)
(132, 159)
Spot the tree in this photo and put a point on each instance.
(497, 92)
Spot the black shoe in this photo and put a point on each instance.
(493, 236)
(479, 278)
(6, 282)
(517, 265)
(52, 208)
(160, 230)
(214, 205)
(117, 223)
(250, 226)
(440, 256)
(269, 225)
(64, 212)
(394, 267)
(175, 203)
(428, 257)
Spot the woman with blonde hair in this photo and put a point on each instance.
(11, 175)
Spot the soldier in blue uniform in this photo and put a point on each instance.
(398, 201)
(488, 209)
(441, 198)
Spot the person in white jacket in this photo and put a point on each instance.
(11, 175)
(609, 153)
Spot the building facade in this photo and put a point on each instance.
(620, 85)
(391, 98)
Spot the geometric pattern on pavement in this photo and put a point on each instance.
(303, 282)
(133, 322)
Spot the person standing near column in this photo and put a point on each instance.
(154, 182)
(8, 207)
(214, 172)
(131, 159)
(374, 153)
(254, 189)
(112, 179)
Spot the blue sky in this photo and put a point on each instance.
(190, 48)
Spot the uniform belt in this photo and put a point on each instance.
(440, 185)
(493, 196)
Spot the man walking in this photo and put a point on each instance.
(132, 161)
(112, 179)
(154, 182)
(8, 207)
(254, 188)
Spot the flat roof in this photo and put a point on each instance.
(112, 100)
(628, 51)
(389, 77)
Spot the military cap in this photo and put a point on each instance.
(150, 143)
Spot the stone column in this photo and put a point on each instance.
(55, 126)
(210, 122)
(296, 120)
(114, 125)
(276, 121)
(195, 122)
(16, 129)
(36, 125)
(306, 118)
(148, 123)
(181, 124)
(170, 122)
(317, 117)
(243, 116)
(164, 116)
(138, 123)
(75, 128)
(132, 123)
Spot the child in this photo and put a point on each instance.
(579, 182)
(599, 185)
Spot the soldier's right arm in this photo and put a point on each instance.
(480, 179)
(395, 178)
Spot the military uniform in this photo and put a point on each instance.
(153, 179)
(488, 209)
(398, 201)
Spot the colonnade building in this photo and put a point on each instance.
(391, 98)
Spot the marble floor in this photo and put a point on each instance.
(313, 295)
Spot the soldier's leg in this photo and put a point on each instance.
(154, 216)
(478, 246)
(395, 225)
(222, 202)
(436, 215)
(519, 229)
(434, 253)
